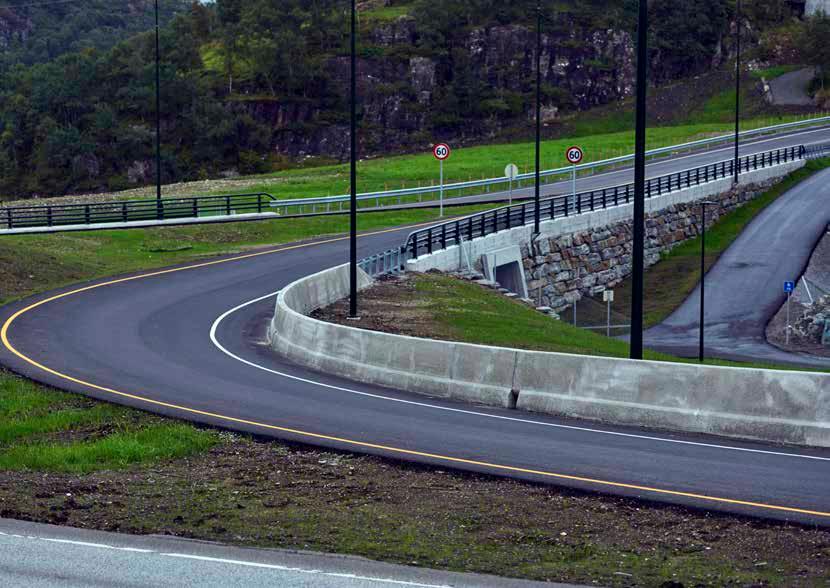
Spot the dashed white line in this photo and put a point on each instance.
(214, 339)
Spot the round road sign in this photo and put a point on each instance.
(574, 155)
(511, 171)
(441, 151)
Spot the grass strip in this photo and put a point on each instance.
(116, 451)
(36, 263)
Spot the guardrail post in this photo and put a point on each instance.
(228, 205)
(49, 216)
(429, 241)
(86, 214)
(259, 203)
(9, 218)
(443, 236)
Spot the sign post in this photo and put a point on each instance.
(441, 152)
(608, 298)
(574, 155)
(789, 288)
(510, 172)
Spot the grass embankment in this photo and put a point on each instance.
(677, 274)
(35, 263)
(50, 431)
(68, 460)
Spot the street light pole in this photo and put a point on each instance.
(353, 172)
(736, 164)
(638, 258)
(703, 206)
(537, 219)
(158, 114)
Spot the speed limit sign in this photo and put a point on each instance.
(441, 151)
(574, 155)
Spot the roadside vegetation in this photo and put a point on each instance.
(65, 459)
(36, 263)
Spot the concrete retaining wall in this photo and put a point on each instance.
(460, 371)
(454, 258)
(768, 405)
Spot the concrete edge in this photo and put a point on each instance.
(776, 406)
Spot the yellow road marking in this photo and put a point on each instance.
(408, 452)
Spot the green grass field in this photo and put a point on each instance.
(45, 430)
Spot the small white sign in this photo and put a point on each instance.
(608, 296)
(511, 171)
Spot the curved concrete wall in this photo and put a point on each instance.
(769, 405)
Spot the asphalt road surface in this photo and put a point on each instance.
(45, 556)
(745, 288)
(189, 342)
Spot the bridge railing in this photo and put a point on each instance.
(96, 213)
(438, 237)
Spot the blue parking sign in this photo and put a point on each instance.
(789, 287)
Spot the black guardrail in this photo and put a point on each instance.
(56, 215)
(425, 241)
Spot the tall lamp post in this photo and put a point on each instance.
(638, 257)
(537, 219)
(158, 114)
(703, 206)
(353, 172)
(736, 164)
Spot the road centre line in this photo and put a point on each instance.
(215, 340)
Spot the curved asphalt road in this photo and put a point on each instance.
(145, 341)
(744, 289)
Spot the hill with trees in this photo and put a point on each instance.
(250, 85)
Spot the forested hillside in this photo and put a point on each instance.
(248, 85)
(33, 31)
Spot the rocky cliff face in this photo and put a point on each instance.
(403, 88)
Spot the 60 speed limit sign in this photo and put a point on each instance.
(441, 151)
(574, 155)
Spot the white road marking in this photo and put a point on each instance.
(214, 328)
(304, 571)
(234, 562)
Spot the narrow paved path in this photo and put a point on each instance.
(744, 289)
(790, 89)
(46, 556)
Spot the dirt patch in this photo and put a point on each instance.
(259, 493)
(390, 305)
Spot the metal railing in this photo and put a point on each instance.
(438, 237)
(392, 262)
(817, 150)
(57, 215)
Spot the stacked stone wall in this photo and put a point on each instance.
(565, 268)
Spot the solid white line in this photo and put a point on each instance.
(214, 328)
(303, 570)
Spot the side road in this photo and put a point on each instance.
(745, 287)
(36, 555)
